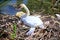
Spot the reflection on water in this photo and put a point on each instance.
(9, 9)
(25, 1)
(12, 2)
(1, 0)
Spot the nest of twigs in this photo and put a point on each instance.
(52, 32)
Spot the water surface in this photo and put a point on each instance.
(25, 1)
(9, 9)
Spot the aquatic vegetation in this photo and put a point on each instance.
(50, 6)
(3, 3)
(47, 5)
(19, 1)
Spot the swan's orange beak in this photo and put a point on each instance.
(19, 14)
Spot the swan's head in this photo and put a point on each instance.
(20, 14)
(22, 5)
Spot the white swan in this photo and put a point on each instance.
(31, 21)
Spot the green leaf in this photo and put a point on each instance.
(13, 35)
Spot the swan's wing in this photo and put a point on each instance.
(31, 31)
(38, 16)
(32, 21)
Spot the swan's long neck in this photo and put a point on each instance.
(27, 10)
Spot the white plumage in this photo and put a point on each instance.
(32, 21)
(58, 16)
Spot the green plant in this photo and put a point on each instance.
(47, 5)
(13, 35)
(19, 2)
(3, 3)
